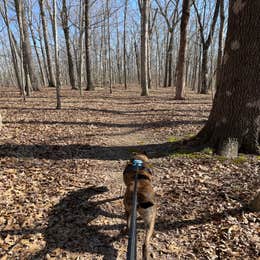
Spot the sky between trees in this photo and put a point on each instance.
(104, 15)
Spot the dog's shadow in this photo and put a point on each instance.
(70, 228)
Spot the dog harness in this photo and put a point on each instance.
(139, 165)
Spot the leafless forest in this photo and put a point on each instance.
(106, 43)
(84, 84)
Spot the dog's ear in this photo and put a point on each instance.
(133, 151)
(139, 152)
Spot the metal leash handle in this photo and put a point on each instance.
(131, 249)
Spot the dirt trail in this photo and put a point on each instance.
(61, 176)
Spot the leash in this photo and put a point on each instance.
(131, 248)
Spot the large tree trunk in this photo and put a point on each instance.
(234, 122)
(46, 43)
(182, 50)
(144, 46)
(66, 30)
(220, 38)
(90, 85)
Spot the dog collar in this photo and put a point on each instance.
(137, 163)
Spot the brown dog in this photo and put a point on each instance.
(146, 206)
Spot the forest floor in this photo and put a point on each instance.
(61, 178)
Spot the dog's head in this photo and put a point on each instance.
(141, 156)
(130, 171)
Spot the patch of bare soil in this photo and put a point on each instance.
(61, 178)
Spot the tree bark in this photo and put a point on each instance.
(90, 85)
(220, 37)
(118, 54)
(109, 47)
(234, 121)
(158, 59)
(125, 16)
(26, 47)
(204, 70)
(46, 43)
(56, 48)
(65, 27)
(182, 50)
(144, 46)
(169, 67)
(37, 53)
(137, 61)
(43, 53)
(149, 75)
(13, 48)
(80, 46)
(166, 62)
(151, 23)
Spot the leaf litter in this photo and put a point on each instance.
(61, 179)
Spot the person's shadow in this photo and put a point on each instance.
(70, 228)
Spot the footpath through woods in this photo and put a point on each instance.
(61, 178)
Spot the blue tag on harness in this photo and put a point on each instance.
(137, 164)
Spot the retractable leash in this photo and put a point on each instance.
(131, 249)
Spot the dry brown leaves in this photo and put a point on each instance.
(60, 179)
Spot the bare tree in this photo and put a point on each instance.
(66, 30)
(233, 124)
(109, 46)
(144, 7)
(16, 55)
(90, 85)
(137, 58)
(56, 48)
(118, 53)
(171, 22)
(151, 23)
(125, 17)
(182, 49)
(80, 45)
(46, 43)
(206, 44)
(30, 23)
(26, 47)
(220, 38)
(109, 60)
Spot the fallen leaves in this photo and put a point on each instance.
(51, 160)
